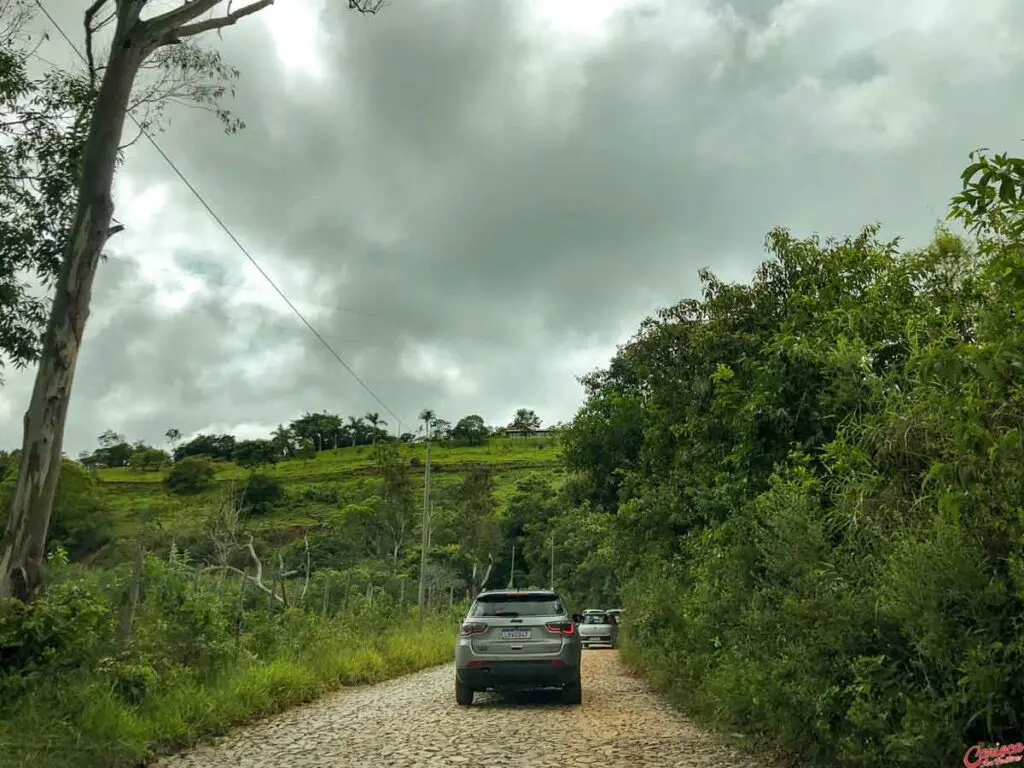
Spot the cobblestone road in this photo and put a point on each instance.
(413, 722)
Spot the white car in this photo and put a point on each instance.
(598, 628)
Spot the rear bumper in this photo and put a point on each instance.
(516, 674)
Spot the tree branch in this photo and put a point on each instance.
(167, 23)
(232, 17)
(369, 7)
(90, 14)
(245, 576)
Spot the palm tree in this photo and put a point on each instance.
(376, 422)
(355, 428)
(428, 417)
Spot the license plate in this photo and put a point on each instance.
(515, 634)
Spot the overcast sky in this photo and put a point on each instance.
(475, 200)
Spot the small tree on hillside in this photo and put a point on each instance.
(525, 420)
(471, 430)
(193, 474)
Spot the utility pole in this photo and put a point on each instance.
(512, 573)
(425, 536)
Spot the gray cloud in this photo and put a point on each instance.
(473, 214)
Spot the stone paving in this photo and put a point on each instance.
(414, 722)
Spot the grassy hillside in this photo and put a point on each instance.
(314, 487)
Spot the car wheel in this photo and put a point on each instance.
(463, 694)
(572, 694)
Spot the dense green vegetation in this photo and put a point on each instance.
(810, 488)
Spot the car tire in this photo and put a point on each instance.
(572, 694)
(463, 694)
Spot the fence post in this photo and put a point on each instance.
(327, 594)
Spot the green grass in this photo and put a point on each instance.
(139, 499)
(86, 723)
(340, 461)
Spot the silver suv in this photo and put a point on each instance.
(517, 640)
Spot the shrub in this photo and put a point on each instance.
(262, 492)
(191, 475)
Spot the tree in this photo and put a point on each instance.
(471, 430)
(254, 453)
(193, 474)
(475, 522)
(525, 420)
(441, 429)
(283, 440)
(428, 417)
(173, 436)
(355, 430)
(219, 447)
(261, 493)
(134, 41)
(110, 438)
(43, 123)
(376, 422)
(398, 505)
(148, 459)
(320, 429)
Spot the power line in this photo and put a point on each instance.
(224, 226)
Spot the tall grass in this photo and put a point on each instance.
(78, 697)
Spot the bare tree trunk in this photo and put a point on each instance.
(23, 549)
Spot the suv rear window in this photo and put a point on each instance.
(510, 604)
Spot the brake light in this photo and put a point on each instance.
(472, 628)
(561, 627)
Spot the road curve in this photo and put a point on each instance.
(413, 722)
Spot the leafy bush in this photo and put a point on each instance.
(815, 485)
(80, 523)
(191, 475)
(262, 492)
(323, 494)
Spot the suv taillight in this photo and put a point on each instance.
(472, 628)
(561, 627)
